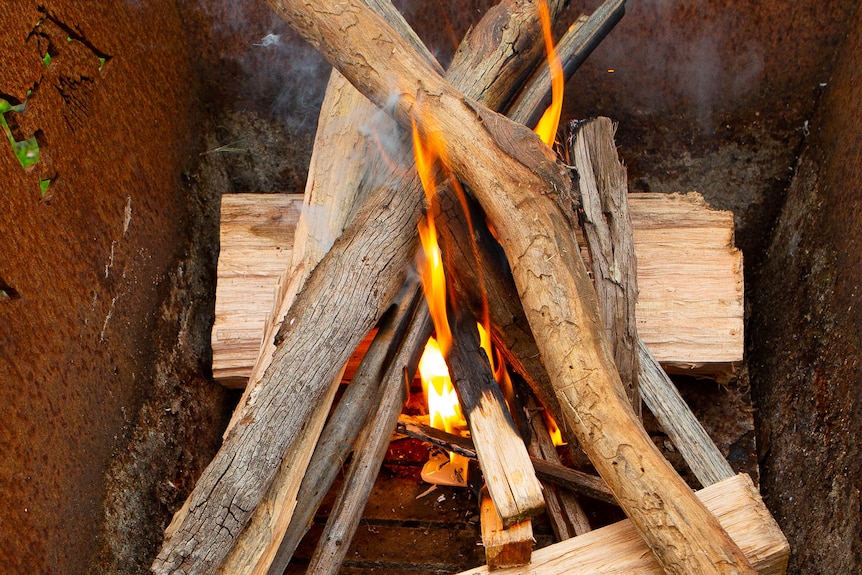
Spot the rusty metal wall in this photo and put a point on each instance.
(83, 265)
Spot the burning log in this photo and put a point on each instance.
(571, 479)
(506, 466)
(514, 178)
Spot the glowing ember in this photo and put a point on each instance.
(547, 126)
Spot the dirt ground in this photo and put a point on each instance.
(146, 115)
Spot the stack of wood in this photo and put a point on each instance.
(586, 358)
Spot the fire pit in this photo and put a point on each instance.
(715, 136)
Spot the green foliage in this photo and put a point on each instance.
(27, 151)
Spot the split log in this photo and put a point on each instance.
(256, 235)
(602, 186)
(253, 226)
(707, 331)
(504, 546)
(618, 549)
(503, 457)
(571, 479)
(371, 446)
(351, 286)
(514, 177)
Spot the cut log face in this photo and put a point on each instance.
(689, 312)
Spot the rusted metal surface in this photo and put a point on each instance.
(86, 262)
(806, 346)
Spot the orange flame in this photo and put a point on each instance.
(550, 120)
(553, 429)
(431, 267)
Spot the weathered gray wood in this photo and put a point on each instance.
(685, 431)
(603, 192)
(342, 428)
(371, 446)
(351, 286)
(565, 512)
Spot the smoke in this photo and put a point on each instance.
(691, 52)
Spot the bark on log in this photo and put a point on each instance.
(351, 286)
(503, 457)
(514, 178)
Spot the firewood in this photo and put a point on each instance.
(371, 447)
(331, 195)
(514, 177)
(571, 479)
(503, 457)
(342, 105)
(685, 431)
(708, 330)
(711, 350)
(564, 510)
(603, 193)
(256, 235)
(574, 47)
(351, 286)
(619, 549)
(504, 546)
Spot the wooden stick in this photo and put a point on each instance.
(618, 548)
(338, 436)
(514, 177)
(351, 287)
(574, 47)
(603, 190)
(504, 546)
(503, 457)
(565, 512)
(335, 196)
(576, 481)
(371, 448)
(675, 417)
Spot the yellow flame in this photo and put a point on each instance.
(443, 406)
(553, 429)
(550, 120)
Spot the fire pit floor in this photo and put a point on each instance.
(412, 528)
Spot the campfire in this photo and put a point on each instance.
(507, 207)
